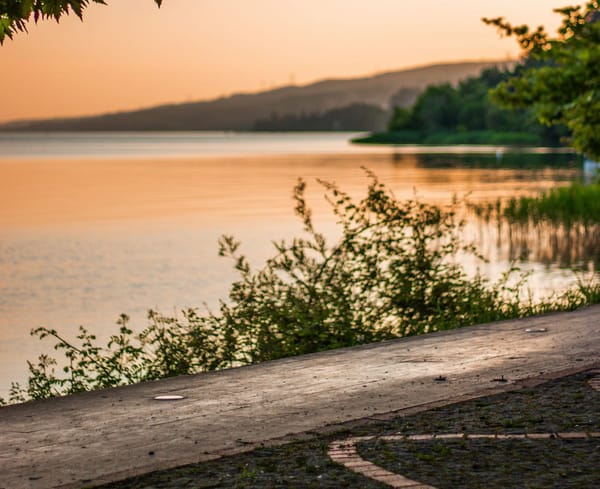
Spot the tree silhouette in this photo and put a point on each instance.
(559, 77)
(14, 14)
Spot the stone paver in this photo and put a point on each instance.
(345, 452)
(109, 435)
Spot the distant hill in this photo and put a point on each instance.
(241, 111)
(354, 117)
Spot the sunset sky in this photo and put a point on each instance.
(130, 54)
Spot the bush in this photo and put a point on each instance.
(393, 272)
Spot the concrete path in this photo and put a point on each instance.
(108, 435)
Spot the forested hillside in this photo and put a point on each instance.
(464, 113)
(242, 111)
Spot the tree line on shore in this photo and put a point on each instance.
(443, 110)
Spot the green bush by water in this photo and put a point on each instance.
(393, 272)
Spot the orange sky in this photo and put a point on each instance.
(130, 54)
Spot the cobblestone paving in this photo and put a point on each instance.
(565, 405)
(461, 444)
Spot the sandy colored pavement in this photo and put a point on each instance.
(108, 435)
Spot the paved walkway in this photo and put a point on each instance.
(109, 435)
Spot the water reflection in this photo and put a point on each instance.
(574, 245)
(495, 160)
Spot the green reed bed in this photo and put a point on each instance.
(574, 204)
(560, 226)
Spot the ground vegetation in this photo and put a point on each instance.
(394, 271)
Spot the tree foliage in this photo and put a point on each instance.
(559, 77)
(14, 14)
(467, 107)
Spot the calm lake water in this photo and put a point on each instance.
(94, 225)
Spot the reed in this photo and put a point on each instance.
(558, 227)
(576, 203)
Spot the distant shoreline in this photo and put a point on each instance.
(493, 138)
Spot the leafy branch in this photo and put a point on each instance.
(14, 14)
(559, 77)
